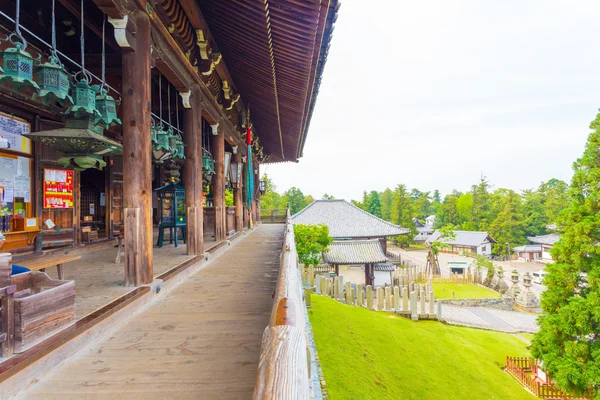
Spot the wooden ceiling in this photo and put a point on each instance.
(275, 51)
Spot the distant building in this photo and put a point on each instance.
(424, 230)
(348, 222)
(546, 242)
(467, 242)
(529, 252)
(359, 237)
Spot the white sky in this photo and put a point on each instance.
(433, 93)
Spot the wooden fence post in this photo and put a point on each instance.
(360, 297)
(349, 299)
(413, 306)
(431, 302)
(380, 298)
(369, 297)
(388, 298)
(396, 303)
(336, 288)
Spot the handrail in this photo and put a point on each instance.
(283, 369)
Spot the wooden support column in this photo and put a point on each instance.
(192, 130)
(218, 151)
(137, 163)
(238, 201)
(257, 192)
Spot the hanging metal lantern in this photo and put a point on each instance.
(18, 68)
(180, 149)
(54, 82)
(107, 106)
(172, 141)
(84, 104)
(81, 163)
(160, 144)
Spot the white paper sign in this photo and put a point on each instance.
(9, 163)
(8, 195)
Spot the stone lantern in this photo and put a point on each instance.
(527, 299)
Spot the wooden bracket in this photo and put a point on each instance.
(215, 129)
(185, 98)
(123, 36)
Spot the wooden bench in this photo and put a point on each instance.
(40, 263)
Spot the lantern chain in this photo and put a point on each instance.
(103, 54)
(17, 32)
(85, 76)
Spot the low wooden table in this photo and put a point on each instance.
(42, 262)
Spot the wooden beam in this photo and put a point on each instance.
(137, 163)
(75, 9)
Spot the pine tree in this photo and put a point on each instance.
(568, 342)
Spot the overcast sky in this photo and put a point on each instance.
(434, 93)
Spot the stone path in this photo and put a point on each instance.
(490, 318)
(200, 340)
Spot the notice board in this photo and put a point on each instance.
(11, 129)
(58, 188)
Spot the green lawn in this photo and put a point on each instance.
(378, 355)
(462, 291)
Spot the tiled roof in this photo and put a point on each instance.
(464, 238)
(346, 252)
(345, 220)
(528, 248)
(545, 239)
(384, 267)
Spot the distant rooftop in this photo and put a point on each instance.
(464, 238)
(544, 239)
(345, 220)
(347, 252)
(528, 248)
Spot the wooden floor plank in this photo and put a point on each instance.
(199, 341)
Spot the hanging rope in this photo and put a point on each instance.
(160, 99)
(177, 116)
(83, 75)
(17, 33)
(169, 102)
(103, 54)
(53, 50)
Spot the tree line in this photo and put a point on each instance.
(509, 216)
(293, 196)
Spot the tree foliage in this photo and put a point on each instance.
(311, 242)
(568, 342)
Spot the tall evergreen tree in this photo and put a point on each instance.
(481, 204)
(569, 338)
(402, 213)
(387, 197)
(508, 227)
(374, 205)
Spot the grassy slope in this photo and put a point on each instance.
(462, 291)
(376, 355)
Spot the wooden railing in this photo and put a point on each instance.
(522, 369)
(273, 215)
(283, 369)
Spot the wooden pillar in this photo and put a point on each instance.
(192, 130)
(238, 201)
(218, 151)
(257, 191)
(137, 163)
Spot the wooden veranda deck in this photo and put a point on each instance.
(200, 340)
